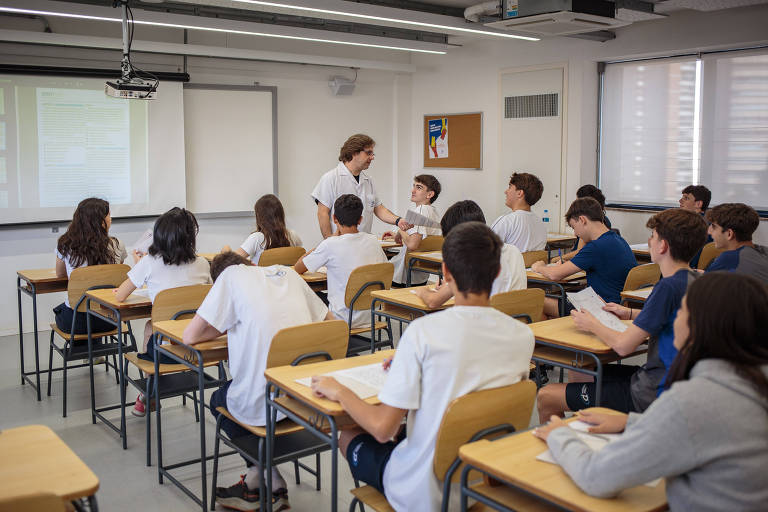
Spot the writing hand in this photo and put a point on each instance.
(327, 387)
(604, 423)
(387, 363)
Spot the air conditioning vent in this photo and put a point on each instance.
(535, 105)
(558, 24)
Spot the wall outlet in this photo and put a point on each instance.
(55, 229)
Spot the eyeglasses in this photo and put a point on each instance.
(369, 152)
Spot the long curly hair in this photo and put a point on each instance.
(87, 241)
(270, 221)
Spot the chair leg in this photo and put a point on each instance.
(148, 416)
(50, 363)
(317, 471)
(295, 471)
(197, 411)
(214, 479)
(114, 364)
(64, 372)
(184, 399)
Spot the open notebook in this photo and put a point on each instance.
(364, 381)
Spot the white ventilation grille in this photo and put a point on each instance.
(535, 105)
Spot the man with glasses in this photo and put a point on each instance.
(349, 177)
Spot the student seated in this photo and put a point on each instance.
(731, 227)
(441, 356)
(675, 235)
(707, 434)
(251, 304)
(86, 242)
(605, 257)
(425, 190)
(696, 198)
(270, 231)
(595, 193)
(170, 263)
(512, 274)
(521, 227)
(342, 254)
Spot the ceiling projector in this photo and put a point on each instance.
(133, 89)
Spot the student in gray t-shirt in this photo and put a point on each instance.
(731, 227)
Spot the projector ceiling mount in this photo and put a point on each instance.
(133, 83)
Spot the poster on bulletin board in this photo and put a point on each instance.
(453, 141)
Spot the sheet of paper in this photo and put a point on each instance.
(322, 270)
(588, 300)
(639, 247)
(364, 381)
(434, 254)
(418, 219)
(144, 241)
(143, 292)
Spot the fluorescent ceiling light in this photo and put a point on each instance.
(212, 29)
(384, 18)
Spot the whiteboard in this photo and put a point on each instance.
(230, 143)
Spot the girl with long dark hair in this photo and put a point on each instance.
(271, 231)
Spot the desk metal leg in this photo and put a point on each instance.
(21, 330)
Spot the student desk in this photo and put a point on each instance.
(641, 252)
(321, 417)
(530, 484)
(32, 283)
(560, 343)
(195, 357)
(401, 304)
(208, 255)
(102, 304)
(536, 278)
(563, 241)
(36, 460)
(429, 262)
(639, 296)
(318, 281)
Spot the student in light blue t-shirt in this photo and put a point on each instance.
(605, 257)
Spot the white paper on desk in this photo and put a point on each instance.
(639, 247)
(434, 254)
(418, 219)
(144, 241)
(588, 300)
(364, 381)
(596, 442)
(143, 292)
(322, 270)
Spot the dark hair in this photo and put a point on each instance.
(270, 221)
(593, 192)
(226, 259)
(173, 237)
(685, 232)
(699, 193)
(431, 183)
(472, 254)
(728, 318)
(462, 211)
(739, 217)
(531, 186)
(86, 241)
(586, 206)
(348, 209)
(353, 145)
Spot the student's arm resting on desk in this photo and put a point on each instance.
(198, 331)
(300, 267)
(61, 268)
(381, 421)
(124, 290)
(555, 272)
(436, 298)
(623, 343)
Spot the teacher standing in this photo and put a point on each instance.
(349, 177)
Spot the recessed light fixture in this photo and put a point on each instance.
(213, 29)
(384, 18)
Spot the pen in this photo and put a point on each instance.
(560, 255)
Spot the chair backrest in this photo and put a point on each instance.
(431, 243)
(287, 256)
(532, 257)
(521, 302)
(43, 502)
(708, 253)
(293, 342)
(183, 298)
(642, 276)
(476, 411)
(377, 272)
(84, 278)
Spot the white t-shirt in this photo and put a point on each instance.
(254, 244)
(120, 252)
(251, 304)
(441, 357)
(339, 181)
(512, 275)
(341, 255)
(401, 270)
(152, 271)
(523, 229)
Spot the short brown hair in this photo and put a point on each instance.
(685, 232)
(531, 186)
(586, 206)
(739, 217)
(699, 193)
(431, 183)
(226, 259)
(353, 145)
(472, 254)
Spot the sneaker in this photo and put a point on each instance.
(280, 500)
(239, 497)
(138, 406)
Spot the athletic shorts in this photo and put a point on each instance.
(367, 459)
(615, 393)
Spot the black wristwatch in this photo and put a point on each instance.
(397, 221)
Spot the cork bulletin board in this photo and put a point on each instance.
(453, 141)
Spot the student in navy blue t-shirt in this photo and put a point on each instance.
(593, 192)
(676, 236)
(696, 198)
(731, 227)
(605, 257)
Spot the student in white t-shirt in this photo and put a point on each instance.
(521, 227)
(251, 304)
(86, 242)
(170, 263)
(342, 254)
(270, 233)
(441, 357)
(425, 190)
(512, 275)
